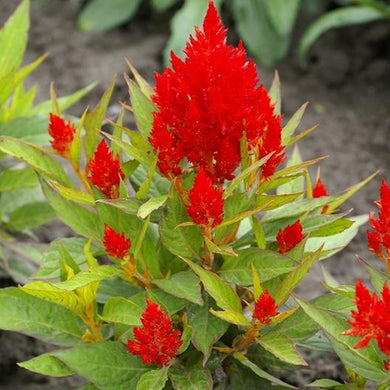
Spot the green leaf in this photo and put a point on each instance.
(80, 219)
(32, 129)
(107, 365)
(13, 39)
(283, 15)
(182, 285)
(257, 31)
(290, 127)
(297, 185)
(181, 241)
(339, 17)
(282, 347)
(47, 365)
(30, 216)
(206, 328)
(14, 179)
(154, 379)
(94, 120)
(268, 265)
(99, 15)
(338, 226)
(327, 384)
(182, 25)
(122, 311)
(365, 362)
(225, 297)
(192, 377)
(259, 372)
(36, 157)
(143, 109)
(35, 317)
(144, 188)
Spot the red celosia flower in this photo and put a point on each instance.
(116, 244)
(105, 171)
(289, 237)
(372, 318)
(157, 341)
(62, 133)
(379, 239)
(320, 190)
(207, 101)
(265, 308)
(206, 207)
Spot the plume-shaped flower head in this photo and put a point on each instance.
(265, 308)
(62, 133)
(116, 244)
(289, 237)
(207, 101)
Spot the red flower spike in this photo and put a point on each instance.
(62, 133)
(157, 341)
(289, 237)
(116, 244)
(105, 171)
(265, 308)
(320, 190)
(371, 320)
(206, 202)
(379, 239)
(207, 101)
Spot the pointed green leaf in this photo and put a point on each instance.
(275, 94)
(47, 365)
(152, 204)
(233, 317)
(292, 124)
(122, 311)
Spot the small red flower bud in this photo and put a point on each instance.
(371, 320)
(104, 171)
(62, 133)
(289, 237)
(320, 190)
(157, 341)
(206, 207)
(265, 308)
(379, 239)
(116, 244)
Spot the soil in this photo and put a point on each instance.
(347, 84)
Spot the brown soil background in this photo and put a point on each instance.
(347, 85)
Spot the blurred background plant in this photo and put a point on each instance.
(23, 206)
(265, 26)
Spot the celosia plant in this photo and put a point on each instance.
(192, 237)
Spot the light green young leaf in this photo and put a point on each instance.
(297, 185)
(38, 318)
(233, 317)
(275, 92)
(77, 196)
(292, 124)
(150, 205)
(122, 311)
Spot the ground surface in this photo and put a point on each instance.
(347, 85)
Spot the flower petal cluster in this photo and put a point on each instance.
(105, 172)
(379, 239)
(371, 320)
(116, 244)
(265, 308)
(206, 202)
(205, 104)
(62, 133)
(157, 341)
(289, 237)
(320, 190)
